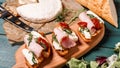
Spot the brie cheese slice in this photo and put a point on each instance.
(44, 11)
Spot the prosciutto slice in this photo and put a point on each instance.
(83, 17)
(63, 38)
(60, 34)
(67, 42)
(33, 46)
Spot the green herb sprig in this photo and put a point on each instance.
(76, 15)
(54, 38)
(33, 57)
(30, 38)
(68, 31)
(61, 17)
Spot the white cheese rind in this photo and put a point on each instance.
(27, 1)
(29, 56)
(44, 11)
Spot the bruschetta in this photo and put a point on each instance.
(89, 26)
(63, 38)
(37, 49)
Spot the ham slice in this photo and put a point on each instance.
(83, 17)
(60, 34)
(63, 38)
(33, 46)
(67, 42)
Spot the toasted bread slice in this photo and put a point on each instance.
(62, 52)
(89, 40)
(104, 8)
(45, 54)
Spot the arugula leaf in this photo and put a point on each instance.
(43, 45)
(33, 60)
(68, 31)
(90, 15)
(75, 16)
(33, 57)
(54, 38)
(30, 38)
(61, 16)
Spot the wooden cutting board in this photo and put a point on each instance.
(56, 61)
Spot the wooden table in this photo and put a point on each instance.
(104, 48)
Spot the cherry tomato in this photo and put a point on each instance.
(42, 42)
(64, 25)
(96, 23)
(82, 24)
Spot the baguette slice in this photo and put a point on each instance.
(104, 8)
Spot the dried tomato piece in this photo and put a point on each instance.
(64, 25)
(43, 43)
(96, 22)
(82, 24)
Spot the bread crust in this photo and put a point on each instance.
(62, 52)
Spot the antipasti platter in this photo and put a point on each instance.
(54, 31)
(55, 60)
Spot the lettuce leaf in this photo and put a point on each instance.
(93, 64)
(75, 63)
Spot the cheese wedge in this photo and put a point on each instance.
(104, 8)
(44, 11)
